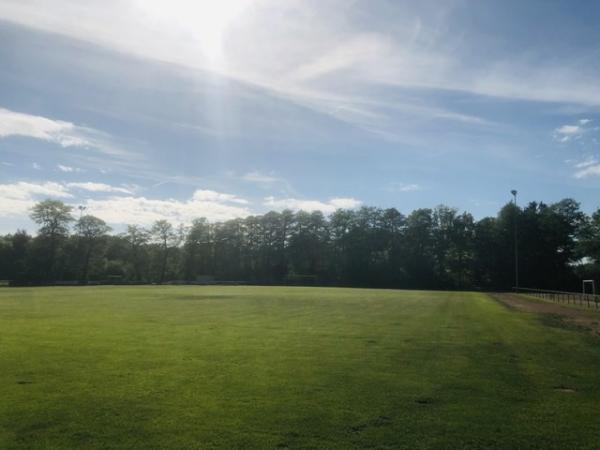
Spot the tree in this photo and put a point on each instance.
(164, 235)
(14, 264)
(91, 231)
(137, 238)
(54, 217)
(308, 244)
(420, 249)
(196, 250)
(486, 253)
(429, 248)
(461, 253)
(589, 238)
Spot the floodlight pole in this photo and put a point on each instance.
(81, 208)
(514, 193)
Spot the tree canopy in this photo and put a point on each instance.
(439, 248)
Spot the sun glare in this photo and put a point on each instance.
(205, 21)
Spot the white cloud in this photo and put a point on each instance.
(404, 187)
(584, 121)
(67, 168)
(311, 205)
(99, 187)
(63, 133)
(204, 195)
(589, 171)
(144, 211)
(260, 178)
(349, 55)
(36, 166)
(18, 198)
(410, 188)
(268, 181)
(588, 162)
(568, 132)
(23, 190)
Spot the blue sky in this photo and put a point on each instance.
(142, 110)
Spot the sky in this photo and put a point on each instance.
(142, 110)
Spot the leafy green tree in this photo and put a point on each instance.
(485, 254)
(308, 245)
(137, 239)
(588, 244)
(165, 236)
(53, 217)
(197, 251)
(91, 232)
(14, 256)
(460, 258)
(420, 249)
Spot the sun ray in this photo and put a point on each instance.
(204, 21)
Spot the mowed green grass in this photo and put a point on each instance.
(251, 367)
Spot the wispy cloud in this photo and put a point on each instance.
(570, 130)
(205, 195)
(430, 97)
(311, 205)
(63, 133)
(586, 163)
(268, 181)
(567, 132)
(574, 131)
(260, 178)
(67, 169)
(329, 65)
(404, 187)
(589, 171)
(99, 187)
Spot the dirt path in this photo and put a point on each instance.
(553, 314)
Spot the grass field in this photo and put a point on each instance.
(250, 367)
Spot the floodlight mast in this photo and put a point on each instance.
(514, 193)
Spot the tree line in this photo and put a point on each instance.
(437, 248)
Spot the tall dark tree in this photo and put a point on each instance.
(588, 244)
(91, 232)
(420, 249)
(197, 250)
(14, 256)
(137, 239)
(53, 217)
(165, 236)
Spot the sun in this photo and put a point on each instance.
(204, 21)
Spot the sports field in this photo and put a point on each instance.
(249, 367)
